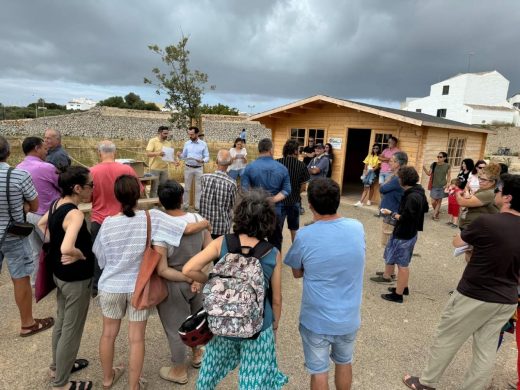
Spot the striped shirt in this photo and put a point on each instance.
(299, 174)
(218, 192)
(21, 189)
(120, 244)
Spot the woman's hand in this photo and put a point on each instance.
(196, 287)
(70, 259)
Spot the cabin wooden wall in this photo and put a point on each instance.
(420, 143)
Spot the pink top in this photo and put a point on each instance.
(104, 202)
(45, 179)
(387, 153)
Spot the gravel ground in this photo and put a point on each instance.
(393, 340)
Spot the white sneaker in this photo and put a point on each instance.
(369, 203)
(358, 204)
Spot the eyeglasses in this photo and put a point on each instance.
(497, 190)
(440, 156)
(480, 167)
(484, 179)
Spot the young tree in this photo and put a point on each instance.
(182, 86)
(219, 109)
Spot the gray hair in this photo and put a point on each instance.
(265, 145)
(107, 147)
(58, 133)
(223, 157)
(401, 158)
(4, 148)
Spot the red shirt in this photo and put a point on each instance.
(104, 202)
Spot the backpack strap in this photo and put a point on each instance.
(261, 249)
(233, 243)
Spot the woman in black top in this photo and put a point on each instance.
(72, 263)
(329, 153)
(466, 167)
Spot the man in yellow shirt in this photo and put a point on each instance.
(155, 152)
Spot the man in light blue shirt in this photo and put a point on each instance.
(195, 153)
(330, 256)
(273, 177)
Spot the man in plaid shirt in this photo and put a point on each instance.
(218, 195)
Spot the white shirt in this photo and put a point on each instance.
(121, 242)
(238, 163)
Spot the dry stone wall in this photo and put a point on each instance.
(505, 137)
(114, 123)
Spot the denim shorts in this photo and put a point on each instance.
(293, 216)
(399, 251)
(318, 348)
(383, 176)
(18, 253)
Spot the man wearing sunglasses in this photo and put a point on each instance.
(486, 296)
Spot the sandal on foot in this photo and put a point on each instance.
(80, 385)
(164, 373)
(196, 360)
(117, 373)
(143, 384)
(413, 383)
(40, 324)
(79, 364)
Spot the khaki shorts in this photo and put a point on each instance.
(115, 305)
(386, 232)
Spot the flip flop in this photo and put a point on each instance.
(143, 384)
(40, 324)
(118, 373)
(80, 385)
(79, 364)
(412, 382)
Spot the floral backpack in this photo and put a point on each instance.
(235, 293)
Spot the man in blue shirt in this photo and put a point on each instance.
(330, 256)
(194, 154)
(273, 177)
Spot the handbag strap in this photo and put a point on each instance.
(148, 229)
(9, 170)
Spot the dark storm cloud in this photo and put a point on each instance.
(364, 49)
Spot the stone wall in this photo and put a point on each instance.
(115, 123)
(505, 137)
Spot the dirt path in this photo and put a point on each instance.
(394, 339)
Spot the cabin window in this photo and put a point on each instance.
(381, 139)
(418, 110)
(456, 148)
(441, 113)
(302, 136)
(445, 89)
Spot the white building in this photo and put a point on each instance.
(81, 104)
(473, 98)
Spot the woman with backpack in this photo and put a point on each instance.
(253, 221)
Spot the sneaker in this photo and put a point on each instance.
(405, 291)
(358, 204)
(381, 279)
(369, 203)
(392, 297)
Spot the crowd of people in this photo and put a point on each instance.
(238, 208)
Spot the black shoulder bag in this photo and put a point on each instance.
(21, 229)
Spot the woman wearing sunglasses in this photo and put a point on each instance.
(481, 202)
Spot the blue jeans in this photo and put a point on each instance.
(292, 213)
(235, 173)
(18, 253)
(318, 347)
(383, 176)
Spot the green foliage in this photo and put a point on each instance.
(218, 109)
(131, 101)
(49, 106)
(182, 86)
(13, 112)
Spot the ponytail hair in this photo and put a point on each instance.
(128, 191)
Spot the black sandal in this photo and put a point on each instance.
(79, 364)
(413, 383)
(80, 385)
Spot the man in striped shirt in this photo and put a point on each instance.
(299, 175)
(218, 196)
(15, 249)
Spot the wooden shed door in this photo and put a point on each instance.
(358, 144)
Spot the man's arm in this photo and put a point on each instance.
(205, 153)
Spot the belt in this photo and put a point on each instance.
(193, 166)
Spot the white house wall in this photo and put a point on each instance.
(489, 117)
(489, 89)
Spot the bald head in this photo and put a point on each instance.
(223, 159)
(107, 150)
(52, 138)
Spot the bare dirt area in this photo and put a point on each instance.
(394, 339)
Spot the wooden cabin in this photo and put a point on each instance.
(352, 128)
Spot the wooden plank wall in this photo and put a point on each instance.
(421, 144)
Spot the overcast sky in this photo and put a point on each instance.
(260, 53)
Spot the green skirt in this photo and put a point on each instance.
(257, 358)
